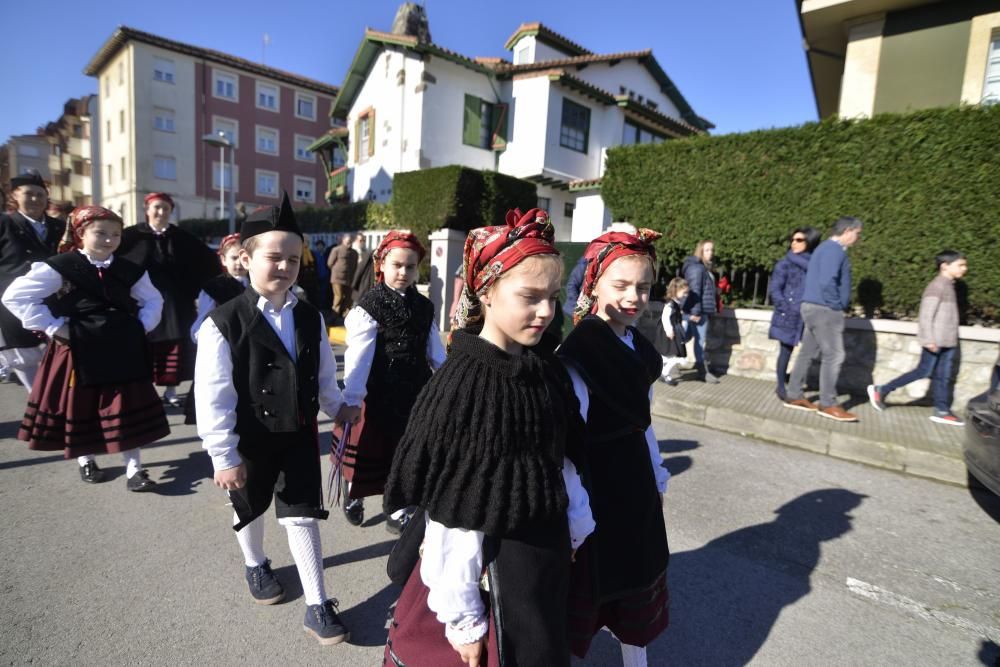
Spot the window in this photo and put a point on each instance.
(544, 203)
(302, 152)
(109, 174)
(77, 166)
(107, 130)
(225, 172)
(267, 140)
(225, 86)
(165, 167)
(267, 97)
(305, 189)
(28, 151)
(364, 146)
(121, 121)
(484, 124)
(121, 72)
(87, 168)
(633, 134)
(305, 106)
(56, 150)
(267, 183)
(123, 168)
(575, 127)
(230, 128)
(163, 119)
(521, 55)
(163, 70)
(339, 159)
(107, 86)
(78, 130)
(568, 210)
(991, 87)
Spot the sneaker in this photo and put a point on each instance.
(710, 378)
(801, 404)
(264, 585)
(354, 510)
(140, 482)
(323, 623)
(90, 473)
(875, 398)
(837, 413)
(946, 418)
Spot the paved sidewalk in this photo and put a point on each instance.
(901, 438)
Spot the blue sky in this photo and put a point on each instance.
(739, 63)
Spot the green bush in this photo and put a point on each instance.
(379, 216)
(338, 218)
(921, 182)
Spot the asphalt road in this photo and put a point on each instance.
(780, 557)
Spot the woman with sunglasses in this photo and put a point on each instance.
(788, 282)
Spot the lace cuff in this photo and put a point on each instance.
(467, 631)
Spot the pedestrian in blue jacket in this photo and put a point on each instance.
(787, 285)
(700, 305)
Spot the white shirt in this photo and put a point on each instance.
(25, 295)
(207, 304)
(216, 398)
(362, 330)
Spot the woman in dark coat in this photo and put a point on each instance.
(787, 284)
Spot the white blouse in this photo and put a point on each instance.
(362, 330)
(24, 297)
(207, 304)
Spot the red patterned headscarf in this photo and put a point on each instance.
(153, 196)
(78, 221)
(228, 241)
(604, 250)
(492, 251)
(396, 239)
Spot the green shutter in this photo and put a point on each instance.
(472, 122)
(500, 127)
(371, 133)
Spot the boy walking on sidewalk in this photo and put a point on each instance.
(264, 369)
(938, 335)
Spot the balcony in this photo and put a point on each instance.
(337, 185)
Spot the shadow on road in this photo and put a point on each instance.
(52, 458)
(727, 595)
(9, 429)
(677, 464)
(183, 476)
(368, 619)
(989, 654)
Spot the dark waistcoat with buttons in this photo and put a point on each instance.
(275, 394)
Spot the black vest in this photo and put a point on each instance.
(399, 368)
(108, 340)
(223, 288)
(275, 394)
(19, 247)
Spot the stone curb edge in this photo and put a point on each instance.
(889, 456)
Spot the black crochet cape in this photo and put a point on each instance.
(484, 446)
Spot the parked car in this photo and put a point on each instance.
(982, 441)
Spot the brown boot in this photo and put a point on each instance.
(837, 413)
(801, 404)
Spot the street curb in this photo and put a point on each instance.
(879, 454)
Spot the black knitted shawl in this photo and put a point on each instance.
(484, 446)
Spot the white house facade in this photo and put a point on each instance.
(548, 114)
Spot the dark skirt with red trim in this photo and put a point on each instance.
(635, 618)
(416, 636)
(369, 452)
(82, 420)
(173, 362)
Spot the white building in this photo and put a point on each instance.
(549, 114)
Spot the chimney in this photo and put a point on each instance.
(411, 20)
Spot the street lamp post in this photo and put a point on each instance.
(219, 139)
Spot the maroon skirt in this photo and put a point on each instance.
(84, 420)
(173, 362)
(636, 618)
(416, 636)
(369, 452)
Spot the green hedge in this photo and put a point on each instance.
(921, 182)
(339, 218)
(456, 197)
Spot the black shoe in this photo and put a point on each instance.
(140, 482)
(323, 623)
(354, 510)
(397, 526)
(669, 381)
(90, 473)
(710, 378)
(264, 586)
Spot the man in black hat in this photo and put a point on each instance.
(27, 235)
(264, 369)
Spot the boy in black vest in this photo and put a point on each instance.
(264, 369)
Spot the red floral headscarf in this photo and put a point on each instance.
(78, 221)
(228, 241)
(153, 196)
(604, 250)
(492, 251)
(396, 239)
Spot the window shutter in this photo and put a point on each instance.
(357, 138)
(371, 133)
(472, 121)
(499, 127)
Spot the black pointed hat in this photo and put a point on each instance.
(269, 219)
(29, 177)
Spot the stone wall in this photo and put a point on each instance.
(877, 351)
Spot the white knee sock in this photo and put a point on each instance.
(304, 543)
(251, 539)
(84, 460)
(133, 462)
(633, 656)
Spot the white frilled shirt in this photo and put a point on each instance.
(215, 400)
(362, 330)
(207, 304)
(24, 298)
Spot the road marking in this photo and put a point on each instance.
(888, 598)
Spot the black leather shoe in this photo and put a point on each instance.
(354, 510)
(396, 527)
(140, 482)
(90, 473)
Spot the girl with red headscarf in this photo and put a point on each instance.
(489, 455)
(93, 393)
(393, 345)
(619, 577)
